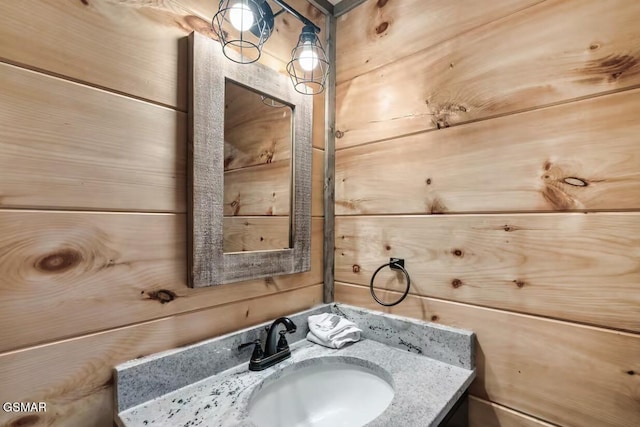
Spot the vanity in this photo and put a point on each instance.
(403, 372)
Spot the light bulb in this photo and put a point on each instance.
(241, 16)
(308, 58)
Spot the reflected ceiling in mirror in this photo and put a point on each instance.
(257, 171)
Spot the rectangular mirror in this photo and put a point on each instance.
(258, 133)
(249, 170)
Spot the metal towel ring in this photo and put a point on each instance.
(394, 264)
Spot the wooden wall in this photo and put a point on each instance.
(496, 147)
(93, 129)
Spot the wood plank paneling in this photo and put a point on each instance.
(246, 145)
(67, 145)
(509, 65)
(317, 183)
(264, 189)
(58, 269)
(528, 263)
(242, 105)
(242, 233)
(72, 375)
(389, 30)
(565, 373)
(134, 47)
(258, 190)
(318, 138)
(265, 138)
(578, 156)
(406, 71)
(487, 414)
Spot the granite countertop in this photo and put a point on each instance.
(425, 388)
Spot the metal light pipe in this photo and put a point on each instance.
(297, 14)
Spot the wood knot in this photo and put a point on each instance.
(85, 2)
(437, 206)
(382, 28)
(594, 46)
(59, 261)
(261, 239)
(456, 283)
(339, 134)
(382, 3)
(356, 268)
(268, 155)
(315, 13)
(457, 252)
(576, 182)
(26, 421)
(227, 161)
(163, 295)
(613, 66)
(236, 205)
(519, 283)
(428, 181)
(507, 228)
(196, 23)
(434, 318)
(387, 247)
(631, 372)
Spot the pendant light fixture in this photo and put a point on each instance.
(309, 66)
(243, 26)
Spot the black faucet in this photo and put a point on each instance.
(274, 351)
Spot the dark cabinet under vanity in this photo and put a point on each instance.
(459, 414)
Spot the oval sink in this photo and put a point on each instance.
(322, 392)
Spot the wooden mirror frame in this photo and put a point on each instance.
(209, 265)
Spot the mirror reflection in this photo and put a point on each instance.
(257, 171)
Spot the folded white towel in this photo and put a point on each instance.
(339, 341)
(331, 330)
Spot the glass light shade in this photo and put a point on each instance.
(241, 17)
(309, 66)
(242, 27)
(308, 58)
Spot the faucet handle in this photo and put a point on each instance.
(282, 342)
(257, 350)
(247, 344)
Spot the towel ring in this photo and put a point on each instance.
(394, 264)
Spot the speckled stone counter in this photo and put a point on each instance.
(429, 366)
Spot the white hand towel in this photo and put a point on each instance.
(331, 330)
(339, 341)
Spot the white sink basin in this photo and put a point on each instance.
(322, 392)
